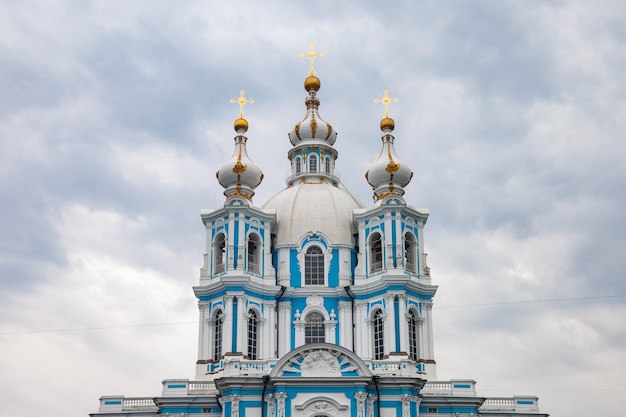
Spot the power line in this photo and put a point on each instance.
(129, 326)
(547, 300)
(80, 329)
(557, 388)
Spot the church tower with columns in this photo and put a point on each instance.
(314, 304)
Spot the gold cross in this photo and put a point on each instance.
(312, 55)
(386, 100)
(241, 100)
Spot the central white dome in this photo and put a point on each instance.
(314, 207)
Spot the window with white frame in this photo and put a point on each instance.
(314, 331)
(328, 165)
(298, 163)
(379, 335)
(253, 335)
(412, 319)
(219, 253)
(314, 266)
(313, 163)
(254, 253)
(219, 335)
(376, 252)
(410, 253)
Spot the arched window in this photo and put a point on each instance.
(253, 335)
(254, 253)
(219, 335)
(379, 335)
(376, 253)
(409, 252)
(219, 253)
(313, 163)
(298, 163)
(314, 329)
(314, 266)
(327, 163)
(413, 354)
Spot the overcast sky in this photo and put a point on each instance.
(115, 115)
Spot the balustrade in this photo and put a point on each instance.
(138, 404)
(500, 404)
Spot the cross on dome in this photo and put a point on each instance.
(312, 55)
(241, 101)
(386, 100)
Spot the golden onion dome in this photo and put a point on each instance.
(241, 125)
(387, 124)
(312, 83)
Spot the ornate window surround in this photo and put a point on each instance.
(315, 304)
(306, 243)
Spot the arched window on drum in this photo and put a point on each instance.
(410, 252)
(253, 263)
(376, 253)
(219, 253)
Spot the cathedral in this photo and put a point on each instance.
(314, 304)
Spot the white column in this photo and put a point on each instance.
(268, 333)
(370, 405)
(284, 325)
(234, 403)
(283, 267)
(360, 403)
(389, 243)
(360, 330)
(368, 340)
(210, 342)
(420, 338)
(271, 405)
(390, 324)
(403, 326)
(268, 269)
(280, 398)
(399, 243)
(202, 330)
(242, 243)
(330, 328)
(227, 339)
(230, 244)
(345, 325)
(242, 324)
(298, 328)
(428, 309)
(406, 404)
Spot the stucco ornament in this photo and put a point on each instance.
(320, 363)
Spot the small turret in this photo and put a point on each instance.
(240, 175)
(387, 174)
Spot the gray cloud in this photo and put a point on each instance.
(115, 117)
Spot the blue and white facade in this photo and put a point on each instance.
(313, 304)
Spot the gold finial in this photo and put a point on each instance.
(241, 101)
(312, 55)
(386, 100)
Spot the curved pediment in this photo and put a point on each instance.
(320, 360)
